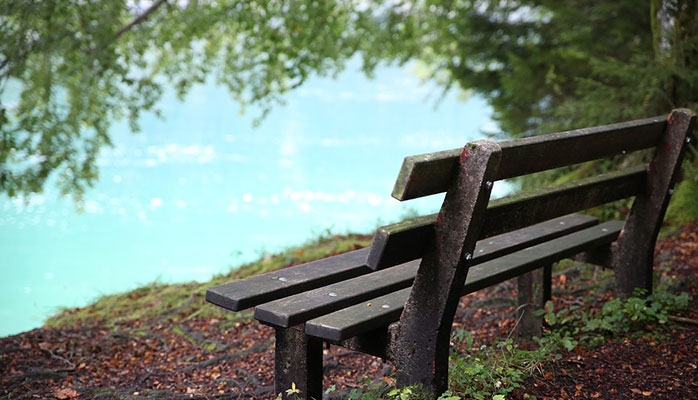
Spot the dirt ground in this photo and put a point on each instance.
(190, 357)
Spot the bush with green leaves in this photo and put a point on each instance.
(621, 316)
(637, 313)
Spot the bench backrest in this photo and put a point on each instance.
(432, 173)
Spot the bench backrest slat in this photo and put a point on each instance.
(544, 152)
(431, 173)
(518, 211)
(409, 239)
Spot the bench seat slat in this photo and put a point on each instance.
(395, 245)
(431, 173)
(515, 240)
(401, 242)
(359, 318)
(242, 294)
(530, 258)
(299, 308)
(380, 311)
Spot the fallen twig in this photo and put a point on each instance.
(683, 320)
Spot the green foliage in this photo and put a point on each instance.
(71, 68)
(494, 372)
(635, 314)
(370, 391)
(618, 316)
(78, 66)
(683, 206)
(406, 393)
(416, 393)
(536, 60)
(488, 372)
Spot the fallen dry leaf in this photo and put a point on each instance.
(65, 393)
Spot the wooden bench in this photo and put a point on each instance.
(397, 298)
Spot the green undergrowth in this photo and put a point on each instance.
(495, 371)
(180, 302)
(683, 206)
(638, 315)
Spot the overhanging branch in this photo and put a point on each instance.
(140, 18)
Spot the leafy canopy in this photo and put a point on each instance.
(80, 65)
(70, 68)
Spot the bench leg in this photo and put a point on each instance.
(533, 291)
(421, 351)
(634, 257)
(297, 362)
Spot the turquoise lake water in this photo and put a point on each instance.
(203, 190)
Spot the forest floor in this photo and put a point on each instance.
(184, 354)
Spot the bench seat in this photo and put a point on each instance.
(381, 311)
(299, 308)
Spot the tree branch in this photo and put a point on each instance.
(140, 18)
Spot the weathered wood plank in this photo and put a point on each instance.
(500, 269)
(431, 173)
(554, 150)
(531, 207)
(301, 307)
(243, 294)
(426, 174)
(401, 242)
(407, 240)
(397, 243)
(359, 318)
(383, 310)
(499, 245)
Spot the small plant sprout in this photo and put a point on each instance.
(292, 392)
